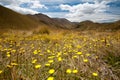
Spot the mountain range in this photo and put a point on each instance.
(10, 19)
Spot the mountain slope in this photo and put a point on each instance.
(41, 18)
(89, 25)
(66, 24)
(53, 22)
(13, 20)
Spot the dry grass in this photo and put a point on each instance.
(71, 56)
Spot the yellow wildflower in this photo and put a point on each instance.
(50, 57)
(14, 64)
(51, 71)
(47, 64)
(37, 66)
(59, 54)
(50, 61)
(50, 78)
(8, 54)
(75, 56)
(35, 52)
(59, 59)
(9, 66)
(94, 74)
(1, 71)
(68, 71)
(34, 61)
(48, 51)
(85, 60)
(79, 53)
(13, 51)
(107, 44)
(75, 71)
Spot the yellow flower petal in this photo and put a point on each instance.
(59, 59)
(34, 61)
(68, 71)
(75, 71)
(8, 55)
(35, 52)
(94, 74)
(37, 66)
(51, 71)
(14, 64)
(79, 53)
(47, 64)
(50, 78)
(50, 61)
(85, 60)
(1, 71)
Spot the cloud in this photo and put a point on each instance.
(85, 8)
(56, 14)
(15, 5)
(52, 1)
(98, 0)
(21, 10)
(36, 4)
(100, 17)
(88, 11)
(74, 10)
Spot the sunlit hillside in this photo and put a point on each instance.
(13, 20)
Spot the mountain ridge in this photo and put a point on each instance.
(53, 22)
(10, 19)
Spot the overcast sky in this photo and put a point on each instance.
(73, 10)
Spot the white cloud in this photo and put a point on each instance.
(85, 8)
(99, 17)
(87, 11)
(55, 14)
(22, 10)
(37, 4)
(98, 0)
(51, 1)
(15, 5)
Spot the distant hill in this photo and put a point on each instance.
(89, 25)
(13, 20)
(53, 22)
(66, 24)
(41, 18)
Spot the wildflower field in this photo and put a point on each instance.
(63, 55)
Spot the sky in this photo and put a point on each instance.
(73, 10)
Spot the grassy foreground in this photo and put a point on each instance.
(65, 55)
